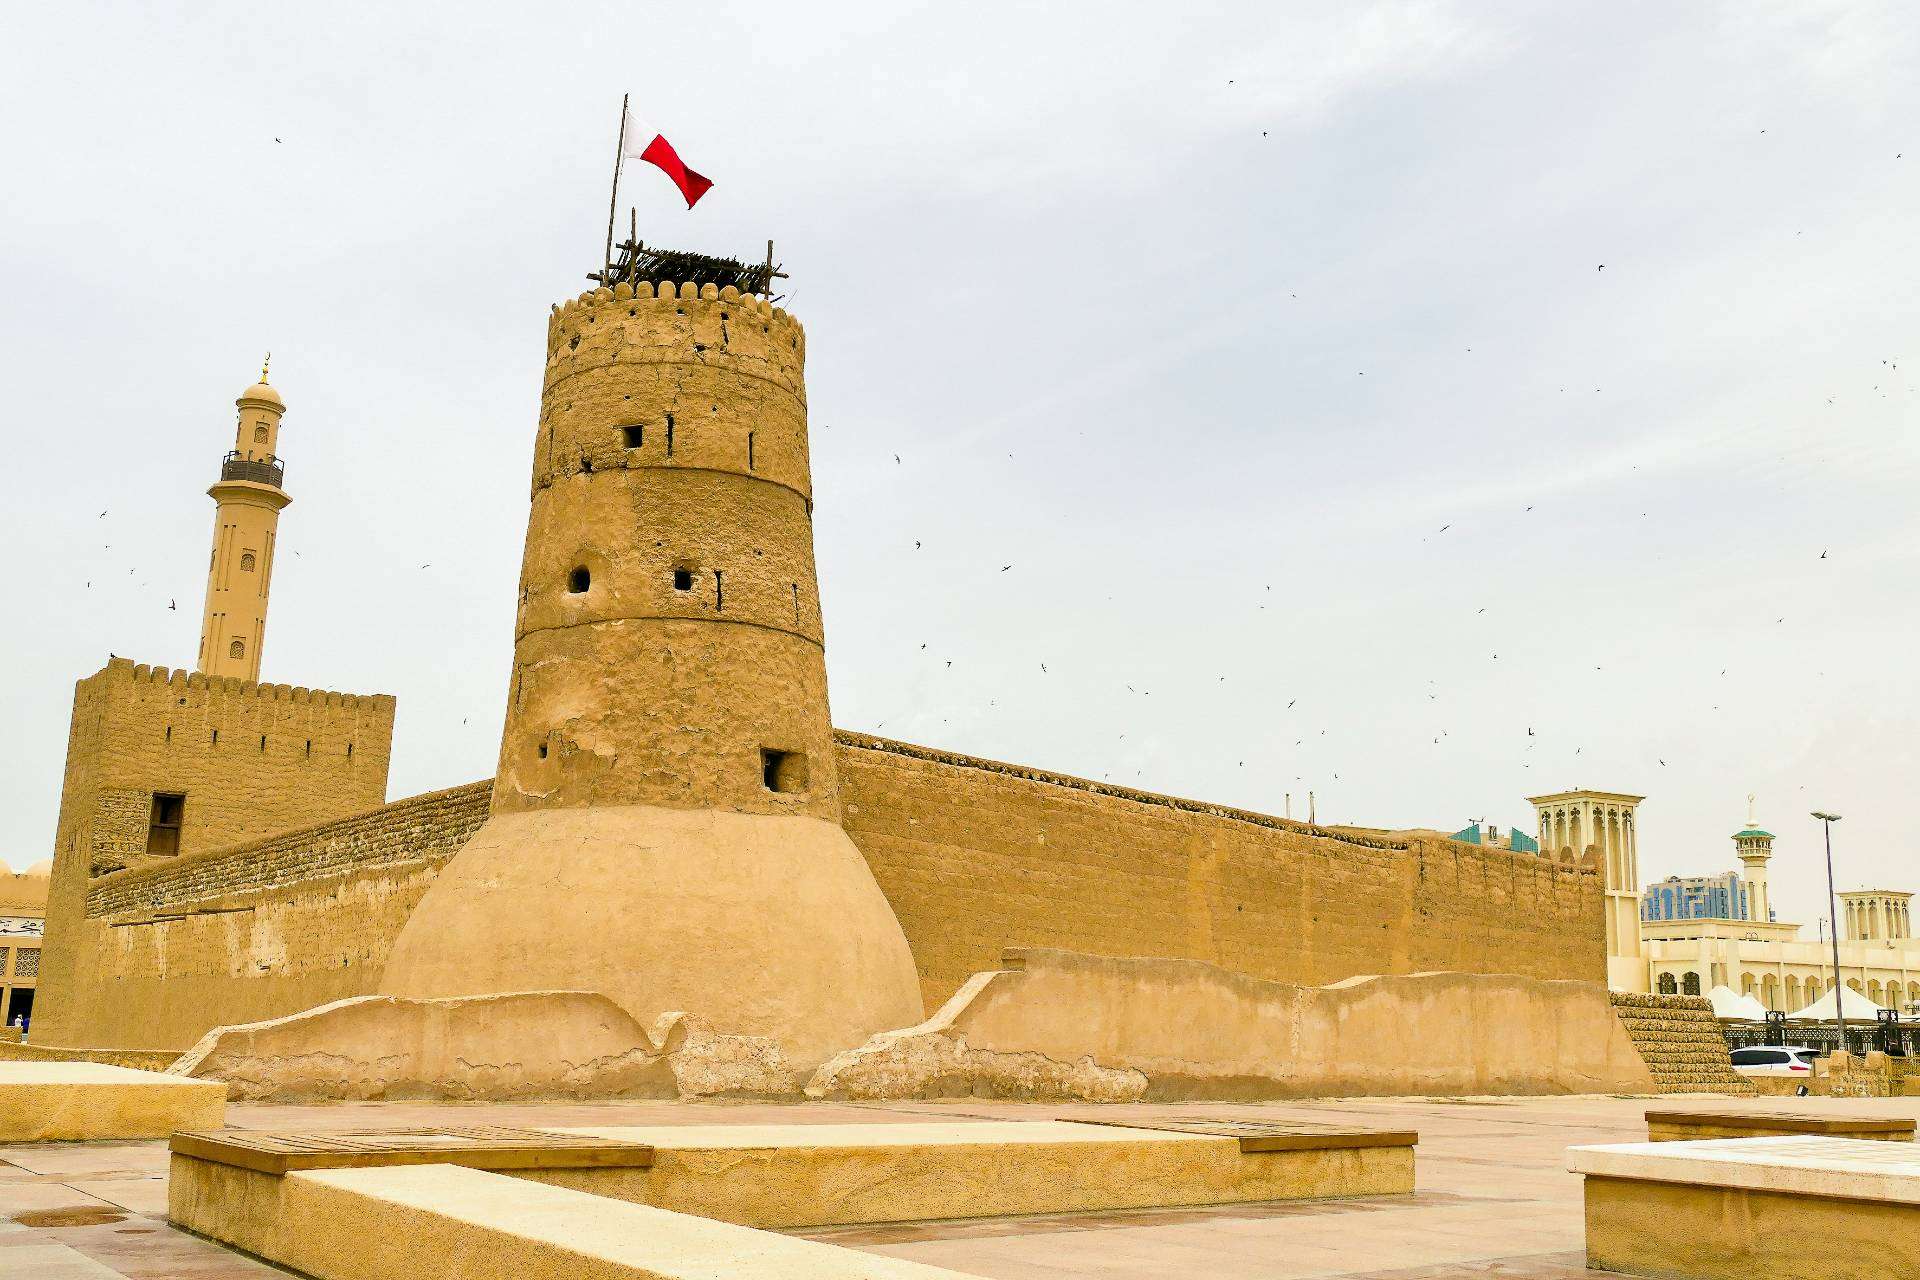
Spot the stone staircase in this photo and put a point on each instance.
(1680, 1041)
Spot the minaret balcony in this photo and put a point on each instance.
(268, 470)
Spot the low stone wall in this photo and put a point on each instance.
(137, 1059)
(1681, 1042)
(1056, 1025)
(521, 1046)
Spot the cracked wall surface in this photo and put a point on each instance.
(1057, 1025)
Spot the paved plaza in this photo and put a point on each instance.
(1494, 1197)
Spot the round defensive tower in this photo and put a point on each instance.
(665, 823)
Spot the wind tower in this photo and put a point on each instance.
(666, 817)
(1754, 848)
(1607, 823)
(248, 501)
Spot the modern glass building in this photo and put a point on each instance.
(1721, 897)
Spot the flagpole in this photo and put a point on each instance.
(613, 200)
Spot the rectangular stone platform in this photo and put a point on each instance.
(75, 1101)
(797, 1176)
(1783, 1208)
(443, 1220)
(1690, 1124)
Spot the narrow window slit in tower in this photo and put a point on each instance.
(263, 742)
(749, 450)
(796, 604)
(669, 435)
(349, 751)
(719, 596)
(309, 748)
(169, 737)
(634, 437)
(579, 580)
(683, 579)
(216, 737)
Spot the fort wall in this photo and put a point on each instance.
(246, 760)
(261, 929)
(975, 856)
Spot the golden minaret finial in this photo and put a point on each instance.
(263, 366)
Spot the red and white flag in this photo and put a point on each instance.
(657, 151)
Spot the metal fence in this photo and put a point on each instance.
(1900, 1039)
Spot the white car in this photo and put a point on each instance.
(1768, 1060)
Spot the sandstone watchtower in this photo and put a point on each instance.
(249, 501)
(666, 816)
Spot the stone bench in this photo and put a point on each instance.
(444, 1220)
(1672, 1125)
(1782, 1208)
(800, 1176)
(75, 1101)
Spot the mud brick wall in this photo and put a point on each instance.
(1680, 1041)
(250, 760)
(261, 929)
(977, 856)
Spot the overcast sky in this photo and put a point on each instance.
(1268, 343)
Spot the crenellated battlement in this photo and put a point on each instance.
(192, 687)
(723, 329)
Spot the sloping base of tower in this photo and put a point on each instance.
(756, 925)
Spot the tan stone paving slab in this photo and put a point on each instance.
(17, 1198)
(52, 1261)
(136, 1195)
(82, 1159)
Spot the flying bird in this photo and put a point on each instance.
(1005, 567)
(170, 605)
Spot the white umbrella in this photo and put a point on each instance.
(1855, 1006)
(1727, 1004)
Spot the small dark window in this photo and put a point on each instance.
(579, 580)
(163, 822)
(633, 437)
(783, 771)
(683, 579)
(542, 749)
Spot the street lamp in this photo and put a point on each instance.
(1833, 914)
